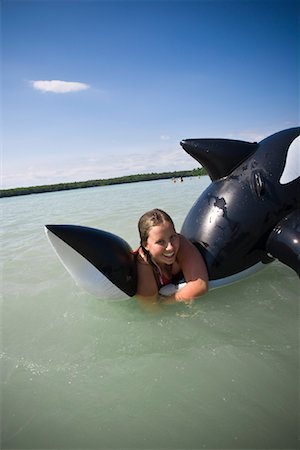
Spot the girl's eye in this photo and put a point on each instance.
(160, 242)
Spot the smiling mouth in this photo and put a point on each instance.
(169, 255)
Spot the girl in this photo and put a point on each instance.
(164, 257)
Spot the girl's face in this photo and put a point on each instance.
(163, 243)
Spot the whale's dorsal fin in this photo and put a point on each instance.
(219, 156)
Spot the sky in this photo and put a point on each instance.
(95, 89)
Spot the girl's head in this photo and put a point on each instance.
(158, 236)
(149, 220)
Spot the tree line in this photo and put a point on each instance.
(101, 182)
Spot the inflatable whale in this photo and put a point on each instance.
(248, 216)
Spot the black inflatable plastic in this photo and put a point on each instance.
(232, 220)
(109, 253)
(284, 241)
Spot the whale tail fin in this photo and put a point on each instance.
(100, 262)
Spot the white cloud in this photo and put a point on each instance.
(58, 86)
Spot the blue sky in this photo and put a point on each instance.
(98, 89)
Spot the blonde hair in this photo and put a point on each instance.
(151, 219)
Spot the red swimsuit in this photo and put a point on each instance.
(160, 278)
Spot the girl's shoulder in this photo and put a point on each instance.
(184, 243)
(187, 250)
(140, 256)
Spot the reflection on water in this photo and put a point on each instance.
(82, 373)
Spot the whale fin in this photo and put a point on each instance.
(284, 241)
(219, 156)
(100, 262)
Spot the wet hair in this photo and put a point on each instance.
(151, 219)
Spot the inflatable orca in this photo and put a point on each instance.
(255, 189)
(248, 216)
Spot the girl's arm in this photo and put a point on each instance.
(147, 292)
(146, 284)
(195, 274)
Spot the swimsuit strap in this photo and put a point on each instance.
(160, 278)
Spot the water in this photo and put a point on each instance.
(80, 373)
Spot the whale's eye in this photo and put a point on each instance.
(257, 183)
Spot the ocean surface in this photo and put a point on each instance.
(83, 373)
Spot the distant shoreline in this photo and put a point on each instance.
(13, 192)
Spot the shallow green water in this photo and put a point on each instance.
(82, 373)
